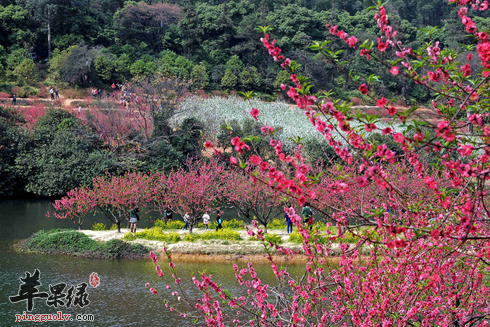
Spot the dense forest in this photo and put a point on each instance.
(95, 43)
(206, 47)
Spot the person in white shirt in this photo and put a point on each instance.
(186, 221)
(205, 220)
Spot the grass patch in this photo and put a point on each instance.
(68, 241)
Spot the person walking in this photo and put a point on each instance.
(307, 215)
(289, 223)
(133, 220)
(186, 221)
(168, 213)
(79, 109)
(51, 91)
(205, 220)
(219, 221)
(14, 99)
(57, 93)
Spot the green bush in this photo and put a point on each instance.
(348, 237)
(99, 226)
(277, 224)
(114, 227)
(232, 224)
(191, 237)
(69, 241)
(296, 237)
(174, 224)
(154, 234)
(222, 234)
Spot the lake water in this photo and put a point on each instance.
(121, 299)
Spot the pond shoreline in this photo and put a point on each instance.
(200, 251)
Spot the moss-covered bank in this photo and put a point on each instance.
(71, 242)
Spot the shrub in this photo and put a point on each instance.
(154, 234)
(191, 237)
(222, 234)
(69, 241)
(230, 224)
(233, 224)
(174, 224)
(296, 237)
(277, 224)
(4, 95)
(113, 227)
(98, 226)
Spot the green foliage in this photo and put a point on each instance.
(229, 81)
(68, 241)
(10, 139)
(25, 72)
(114, 227)
(324, 237)
(99, 226)
(78, 66)
(104, 68)
(61, 155)
(200, 77)
(277, 224)
(232, 224)
(250, 79)
(154, 234)
(222, 234)
(174, 224)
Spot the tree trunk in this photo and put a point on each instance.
(49, 32)
(118, 226)
(265, 228)
(191, 225)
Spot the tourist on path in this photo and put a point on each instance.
(288, 220)
(52, 93)
(205, 220)
(307, 215)
(186, 221)
(219, 221)
(168, 214)
(57, 94)
(14, 99)
(133, 220)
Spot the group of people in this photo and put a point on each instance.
(205, 220)
(96, 93)
(307, 214)
(55, 93)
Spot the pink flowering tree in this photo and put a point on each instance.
(248, 196)
(75, 205)
(194, 189)
(115, 196)
(425, 264)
